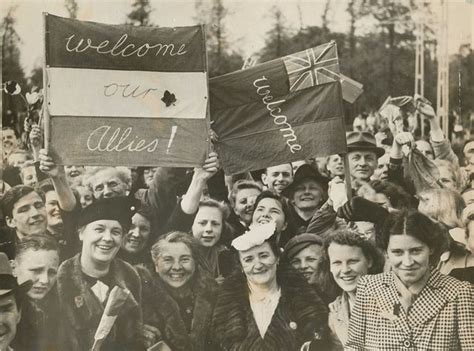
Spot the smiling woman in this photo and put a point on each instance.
(179, 295)
(413, 306)
(85, 281)
(265, 305)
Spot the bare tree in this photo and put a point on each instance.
(140, 14)
(324, 17)
(71, 7)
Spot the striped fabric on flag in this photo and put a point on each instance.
(126, 95)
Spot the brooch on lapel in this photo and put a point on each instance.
(293, 325)
(79, 301)
(388, 315)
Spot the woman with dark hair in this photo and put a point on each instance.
(179, 296)
(136, 242)
(346, 258)
(267, 305)
(413, 306)
(272, 207)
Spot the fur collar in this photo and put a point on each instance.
(302, 309)
(75, 292)
(163, 311)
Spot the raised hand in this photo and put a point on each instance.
(48, 165)
(209, 168)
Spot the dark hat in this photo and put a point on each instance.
(8, 282)
(299, 243)
(120, 208)
(364, 141)
(307, 172)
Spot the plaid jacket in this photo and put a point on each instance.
(441, 318)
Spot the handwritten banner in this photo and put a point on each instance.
(125, 95)
(280, 111)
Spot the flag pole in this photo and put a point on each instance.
(347, 176)
(45, 113)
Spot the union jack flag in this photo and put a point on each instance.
(316, 66)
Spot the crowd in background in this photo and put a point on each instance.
(284, 258)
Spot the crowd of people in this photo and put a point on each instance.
(289, 257)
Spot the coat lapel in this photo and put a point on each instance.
(87, 304)
(431, 296)
(389, 304)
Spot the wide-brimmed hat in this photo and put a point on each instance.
(300, 242)
(8, 282)
(363, 141)
(305, 172)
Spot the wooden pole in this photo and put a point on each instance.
(347, 176)
(46, 120)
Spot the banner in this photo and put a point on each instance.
(280, 111)
(125, 95)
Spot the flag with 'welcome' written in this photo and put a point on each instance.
(280, 111)
(125, 95)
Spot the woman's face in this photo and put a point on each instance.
(347, 265)
(148, 175)
(101, 240)
(207, 225)
(136, 238)
(269, 209)
(308, 195)
(52, 209)
(85, 196)
(259, 264)
(306, 261)
(446, 178)
(335, 165)
(175, 264)
(409, 258)
(244, 204)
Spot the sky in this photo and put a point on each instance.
(247, 21)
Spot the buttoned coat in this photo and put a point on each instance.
(300, 316)
(441, 317)
(81, 310)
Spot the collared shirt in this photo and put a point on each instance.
(264, 308)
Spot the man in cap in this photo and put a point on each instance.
(11, 296)
(363, 154)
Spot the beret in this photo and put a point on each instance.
(301, 242)
(119, 208)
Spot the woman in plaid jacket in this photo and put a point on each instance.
(413, 307)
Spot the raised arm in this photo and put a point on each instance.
(48, 165)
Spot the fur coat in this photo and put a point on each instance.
(300, 316)
(81, 310)
(163, 312)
